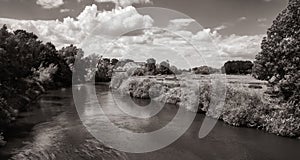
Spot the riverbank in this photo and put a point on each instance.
(22, 105)
(246, 103)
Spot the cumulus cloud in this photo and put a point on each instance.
(48, 4)
(240, 47)
(125, 3)
(97, 32)
(75, 30)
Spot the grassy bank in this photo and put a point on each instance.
(246, 103)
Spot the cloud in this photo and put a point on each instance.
(48, 4)
(125, 3)
(242, 18)
(64, 10)
(179, 24)
(261, 19)
(240, 47)
(75, 30)
(220, 27)
(97, 32)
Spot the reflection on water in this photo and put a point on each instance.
(61, 135)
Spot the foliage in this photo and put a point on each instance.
(164, 68)
(238, 67)
(104, 70)
(6, 113)
(151, 67)
(72, 54)
(45, 74)
(25, 65)
(205, 70)
(139, 72)
(21, 53)
(279, 60)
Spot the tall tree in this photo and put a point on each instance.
(279, 60)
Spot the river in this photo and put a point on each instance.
(54, 131)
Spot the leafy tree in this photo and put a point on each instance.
(201, 70)
(114, 61)
(70, 54)
(164, 68)
(238, 67)
(151, 66)
(104, 70)
(279, 60)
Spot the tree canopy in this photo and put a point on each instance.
(279, 60)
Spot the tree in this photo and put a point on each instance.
(104, 70)
(164, 68)
(201, 70)
(279, 60)
(72, 54)
(238, 67)
(151, 66)
(114, 61)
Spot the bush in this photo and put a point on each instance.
(279, 60)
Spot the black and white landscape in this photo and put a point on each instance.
(150, 79)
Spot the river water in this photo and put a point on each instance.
(54, 131)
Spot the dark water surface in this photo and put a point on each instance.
(59, 134)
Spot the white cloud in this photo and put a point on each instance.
(74, 30)
(64, 10)
(220, 27)
(261, 19)
(125, 3)
(179, 24)
(240, 47)
(48, 4)
(242, 18)
(96, 32)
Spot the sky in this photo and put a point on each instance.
(230, 29)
